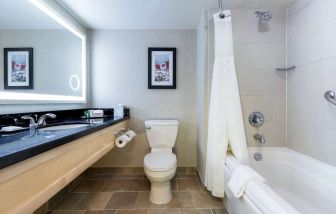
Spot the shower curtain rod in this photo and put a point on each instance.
(221, 11)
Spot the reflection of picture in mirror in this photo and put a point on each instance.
(18, 68)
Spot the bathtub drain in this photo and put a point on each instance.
(257, 156)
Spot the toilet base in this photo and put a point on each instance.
(160, 192)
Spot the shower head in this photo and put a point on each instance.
(264, 16)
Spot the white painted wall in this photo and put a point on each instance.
(312, 48)
(119, 65)
(258, 51)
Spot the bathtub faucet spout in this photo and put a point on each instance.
(260, 138)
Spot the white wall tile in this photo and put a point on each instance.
(260, 56)
(261, 82)
(312, 47)
(274, 133)
(247, 29)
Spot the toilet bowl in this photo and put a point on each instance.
(161, 163)
(160, 168)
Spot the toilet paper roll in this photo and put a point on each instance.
(122, 141)
(130, 133)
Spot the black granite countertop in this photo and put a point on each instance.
(24, 144)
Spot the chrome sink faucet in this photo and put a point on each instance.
(40, 122)
(260, 138)
(32, 123)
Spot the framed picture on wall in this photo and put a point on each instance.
(161, 68)
(18, 68)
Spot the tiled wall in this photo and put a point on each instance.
(259, 49)
(120, 66)
(312, 48)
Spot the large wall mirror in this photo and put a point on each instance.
(42, 55)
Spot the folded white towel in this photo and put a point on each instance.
(240, 177)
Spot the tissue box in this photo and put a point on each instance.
(96, 113)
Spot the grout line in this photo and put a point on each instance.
(192, 197)
(83, 196)
(136, 200)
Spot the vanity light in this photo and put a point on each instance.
(60, 20)
(23, 97)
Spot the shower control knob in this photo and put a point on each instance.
(256, 119)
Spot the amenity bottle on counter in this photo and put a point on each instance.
(119, 110)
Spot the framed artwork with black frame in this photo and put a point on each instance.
(18, 68)
(161, 68)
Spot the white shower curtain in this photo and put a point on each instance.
(225, 124)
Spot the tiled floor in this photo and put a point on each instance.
(126, 191)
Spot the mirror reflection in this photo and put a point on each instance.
(37, 55)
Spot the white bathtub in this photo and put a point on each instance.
(297, 184)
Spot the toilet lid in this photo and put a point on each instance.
(160, 161)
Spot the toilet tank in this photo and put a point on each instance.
(161, 133)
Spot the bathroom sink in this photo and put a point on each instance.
(62, 127)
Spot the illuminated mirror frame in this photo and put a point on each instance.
(33, 98)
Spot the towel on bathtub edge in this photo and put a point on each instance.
(240, 177)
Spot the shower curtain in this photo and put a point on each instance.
(225, 123)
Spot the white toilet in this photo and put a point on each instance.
(160, 164)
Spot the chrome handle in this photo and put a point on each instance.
(330, 96)
(31, 120)
(148, 127)
(42, 120)
(256, 119)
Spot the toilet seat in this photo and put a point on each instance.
(160, 161)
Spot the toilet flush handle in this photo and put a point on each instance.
(148, 127)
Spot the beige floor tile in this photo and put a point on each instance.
(196, 211)
(95, 171)
(94, 201)
(188, 184)
(122, 176)
(181, 170)
(186, 176)
(122, 200)
(116, 185)
(100, 212)
(69, 201)
(139, 185)
(92, 176)
(205, 200)
(181, 200)
(173, 184)
(90, 186)
(220, 211)
(163, 211)
(135, 211)
(143, 201)
(66, 212)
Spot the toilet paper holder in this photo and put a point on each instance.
(121, 132)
